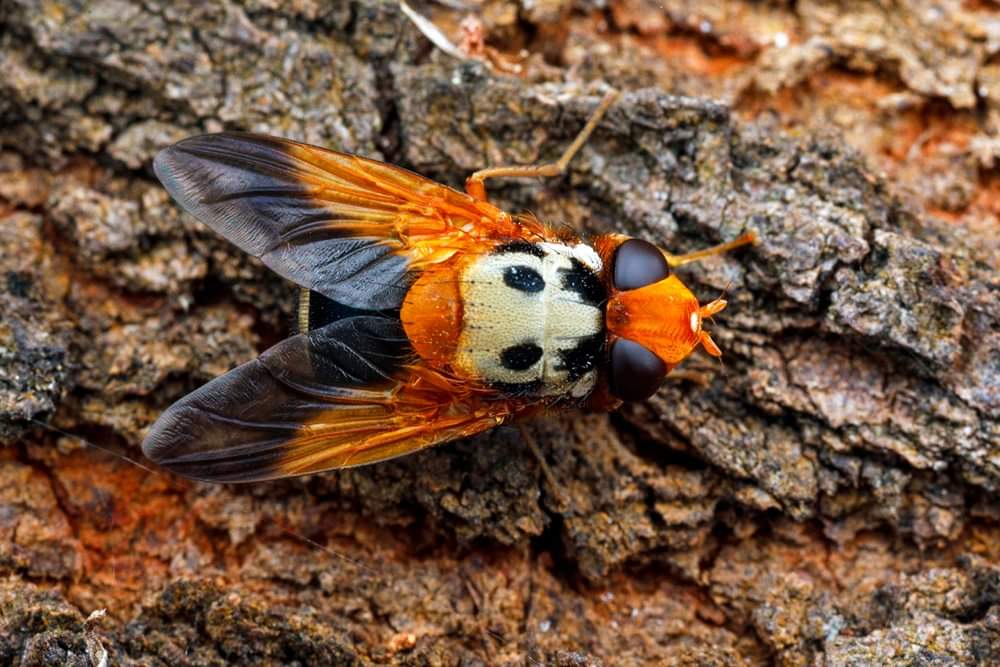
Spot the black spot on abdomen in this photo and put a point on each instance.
(523, 278)
(520, 357)
(584, 282)
(520, 247)
(582, 357)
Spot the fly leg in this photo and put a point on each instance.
(747, 238)
(475, 184)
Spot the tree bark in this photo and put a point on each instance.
(826, 496)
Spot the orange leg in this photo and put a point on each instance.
(476, 187)
(699, 378)
(747, 238)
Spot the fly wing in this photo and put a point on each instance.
(348, 227)
(342, 395)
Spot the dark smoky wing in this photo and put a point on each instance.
(311, 215)
(242, 426)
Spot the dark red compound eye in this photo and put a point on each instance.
(637, 264)
(636, 373)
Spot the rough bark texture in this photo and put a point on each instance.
(827, 497)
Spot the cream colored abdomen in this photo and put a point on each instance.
(523, 320)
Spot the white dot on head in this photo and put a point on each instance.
(587, 256)
(694, 322)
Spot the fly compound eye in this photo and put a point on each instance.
(637, 264)
(636, 373)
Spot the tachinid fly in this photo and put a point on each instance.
(426, 315)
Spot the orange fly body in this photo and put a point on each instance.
(427, 314)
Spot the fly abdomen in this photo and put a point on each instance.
(532, 320)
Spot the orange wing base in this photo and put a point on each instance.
(428, 409)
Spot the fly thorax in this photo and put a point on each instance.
(532, 320)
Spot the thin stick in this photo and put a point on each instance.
(546, 471)
(93, 445)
